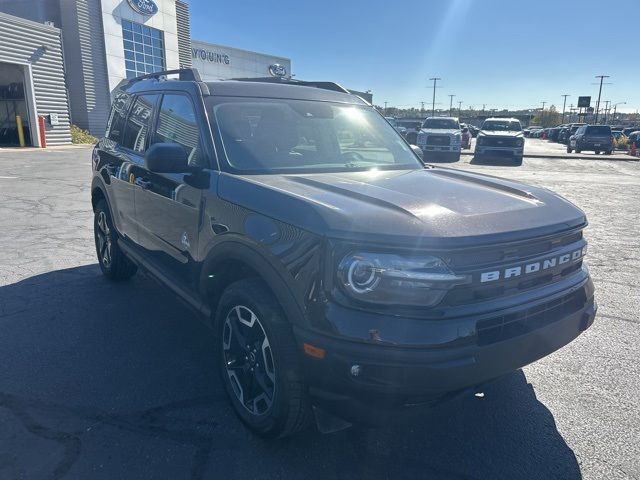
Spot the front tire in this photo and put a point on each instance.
(259, 361)
(569, 149)
(113, 263)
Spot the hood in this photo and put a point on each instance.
(500, 133)
(441, 131)
(425, 207)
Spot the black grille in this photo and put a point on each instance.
(491, 141)
(438, 140)
(513, 325)
(485, 259)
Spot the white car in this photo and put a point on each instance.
(440, 136)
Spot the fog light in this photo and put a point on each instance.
(355, 370)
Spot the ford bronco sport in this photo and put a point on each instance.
(342, 277)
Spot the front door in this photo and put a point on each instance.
(168, 205)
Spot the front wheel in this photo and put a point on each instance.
(113, 263)
(258, 360)
(569, 150)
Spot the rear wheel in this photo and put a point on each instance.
(258, 360)
(113, 263)
(597, 152)
(609, 152)
(569, 149)
(578, 151)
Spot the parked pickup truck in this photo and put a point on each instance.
(440, 137)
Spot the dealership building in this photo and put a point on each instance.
(61, 60)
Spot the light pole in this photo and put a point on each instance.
(433, 102)
(451, 105)
(601, 77)
(564, 104)
(615, 109)
(459, 108)
(542, 114)
(385, 108)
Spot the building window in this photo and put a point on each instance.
(143, 49)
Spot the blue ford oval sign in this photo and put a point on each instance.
(277, 70)
(144, 7)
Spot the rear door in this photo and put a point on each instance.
(168, 205)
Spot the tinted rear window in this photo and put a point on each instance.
(598, 130)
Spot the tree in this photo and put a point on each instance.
(548, 118)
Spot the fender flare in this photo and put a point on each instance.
(265, 264)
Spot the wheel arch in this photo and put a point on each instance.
(235, 259)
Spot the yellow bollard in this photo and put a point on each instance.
(20, 130)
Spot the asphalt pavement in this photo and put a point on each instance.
(105, 381)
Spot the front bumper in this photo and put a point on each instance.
(395, 382)
(499, 151)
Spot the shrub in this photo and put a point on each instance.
(81, 136)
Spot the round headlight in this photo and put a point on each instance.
(361, 276)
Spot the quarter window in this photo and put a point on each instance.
(177, 124)
(115, 125)
(137, 129)
(143, 49)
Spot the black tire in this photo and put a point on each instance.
(609, 152)
(282, 408)
(113, 262)
(568, 149)
(597, 152)
(578, 151)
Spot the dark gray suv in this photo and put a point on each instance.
(342, 276)
(596, 138)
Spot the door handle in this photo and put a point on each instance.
(145, 184)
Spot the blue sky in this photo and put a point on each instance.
(506, 54)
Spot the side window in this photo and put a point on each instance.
(137, 128)
(118, 116)
(177, 123)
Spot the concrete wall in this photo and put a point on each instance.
(216, 62)
(38, 49)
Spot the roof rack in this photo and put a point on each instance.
(184, 74)
(302, 83)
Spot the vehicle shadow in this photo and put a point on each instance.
(121, 376)
(494, 161)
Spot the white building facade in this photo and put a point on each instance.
(219, 62)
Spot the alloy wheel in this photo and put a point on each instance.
(103, 236)
(248, 360)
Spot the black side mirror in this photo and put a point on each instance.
(167, 158)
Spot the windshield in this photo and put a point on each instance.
(502, 125)
(392, 121)
(441, 123)
(284, 136)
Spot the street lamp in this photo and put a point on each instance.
(615, 109)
